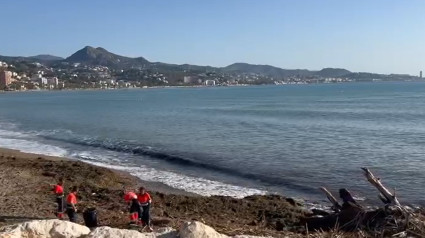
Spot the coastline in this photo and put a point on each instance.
(136, 88)
(198, 86)
(152, 186)
(24, 179)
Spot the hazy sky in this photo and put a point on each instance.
(380, 36)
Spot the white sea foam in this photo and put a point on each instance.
(14, 134)
(196, 185)
(32, 147)
(26, 142)
(16, 140)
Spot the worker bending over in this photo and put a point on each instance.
(133, 206)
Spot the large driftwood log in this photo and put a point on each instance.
(332, 199)
(390, 198)
(377, 222)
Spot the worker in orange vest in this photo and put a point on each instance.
(133, 205)
(145, 201)
(71, 202)
(59, 196)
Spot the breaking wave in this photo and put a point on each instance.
(175, 159)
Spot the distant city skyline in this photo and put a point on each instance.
(361, 36)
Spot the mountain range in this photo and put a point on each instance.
(100, 56)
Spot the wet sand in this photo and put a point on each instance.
(25, 194)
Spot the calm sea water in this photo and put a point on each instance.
(235, 140)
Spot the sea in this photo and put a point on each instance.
(236, 141)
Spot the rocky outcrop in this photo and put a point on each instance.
(108, 232)
(196, 229)
(65, 229)
(44, 229)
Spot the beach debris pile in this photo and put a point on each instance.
(391, 220)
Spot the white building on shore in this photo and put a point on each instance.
(210, 82)
(53, 82)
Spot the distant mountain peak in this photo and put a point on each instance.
(264, 69)
(87, 48)
(46, 57)
(333, 72)
(100, 56)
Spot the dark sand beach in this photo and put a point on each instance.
(25, 195)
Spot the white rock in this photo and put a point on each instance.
(196, 229)
(166, 232)
(108, 232)
(65, 229)
(45, 229)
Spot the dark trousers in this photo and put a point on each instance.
(71, 214)
(145, 216)
(59, 201)
(61, 207)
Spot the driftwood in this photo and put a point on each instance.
(332, 199)
(392, 220)
(385, 195)
(388, 197)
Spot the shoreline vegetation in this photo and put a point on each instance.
(26, 195)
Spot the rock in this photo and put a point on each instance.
(166, 232)
(44, 229)
(108, 232)
(196, 229)
(64, 229)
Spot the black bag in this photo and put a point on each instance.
(90, 217)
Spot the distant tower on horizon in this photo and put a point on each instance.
(420, 74)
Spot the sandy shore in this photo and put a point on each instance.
(25, 194)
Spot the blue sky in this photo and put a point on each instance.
(380, 36)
